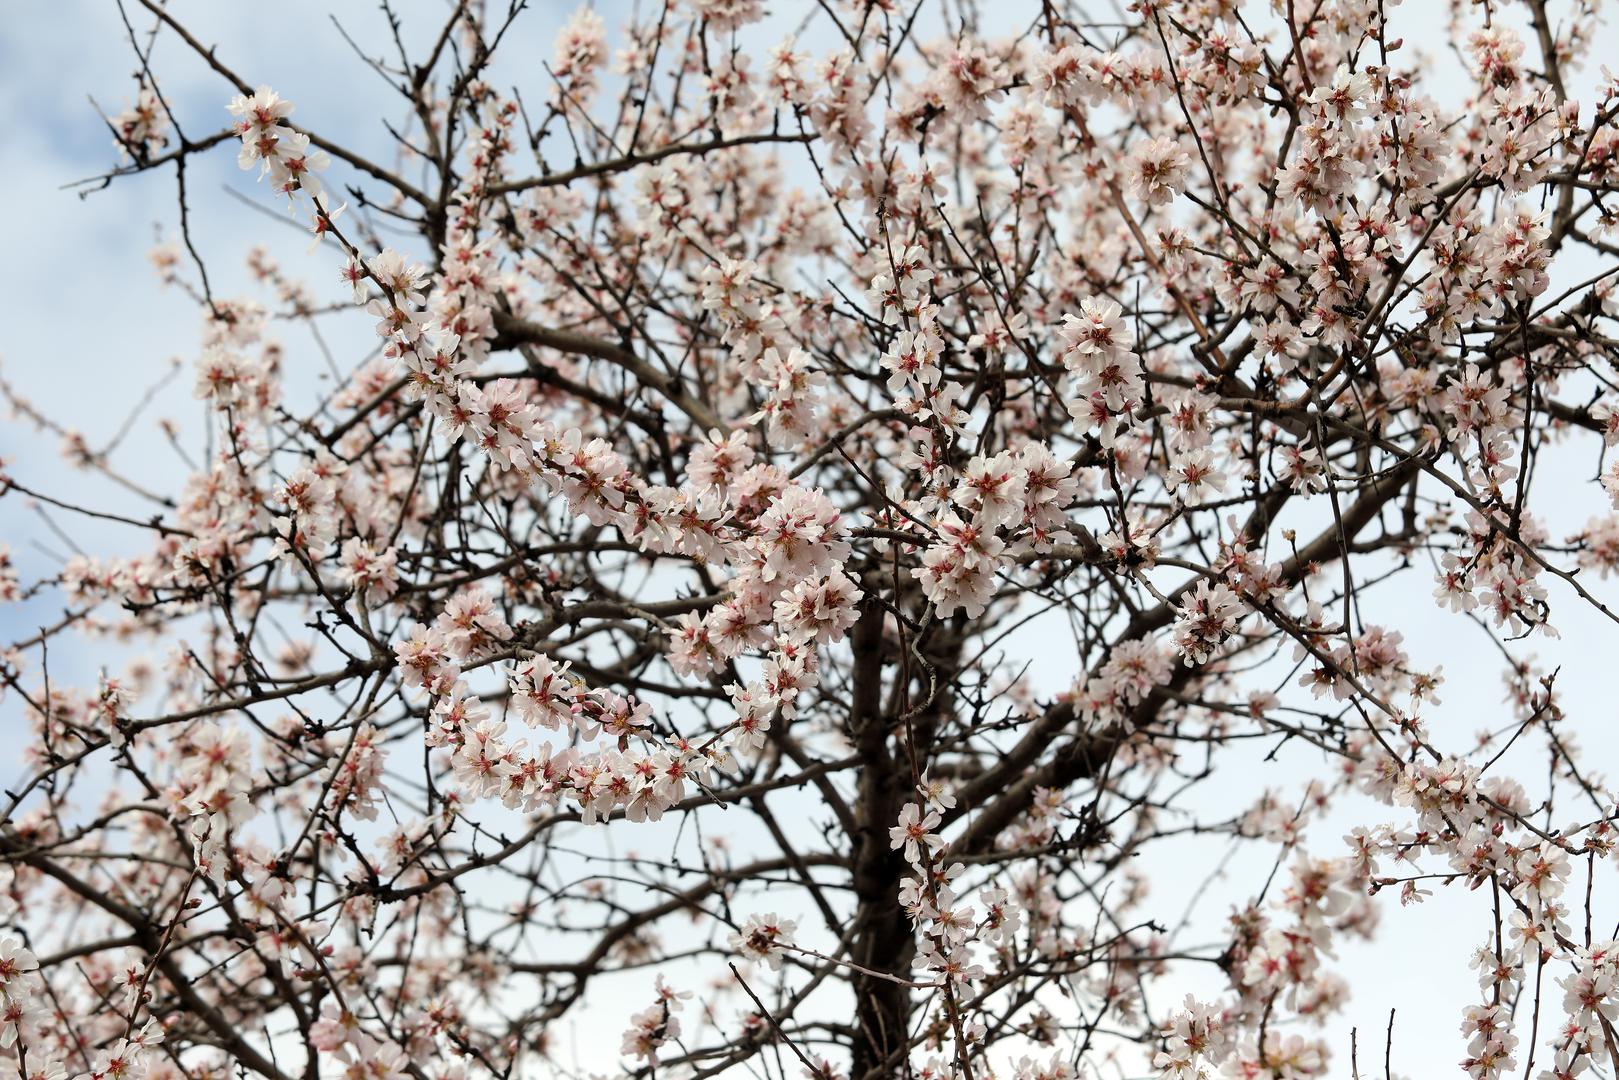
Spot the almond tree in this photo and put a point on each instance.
(641, 637)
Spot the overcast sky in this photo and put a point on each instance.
(89, 329)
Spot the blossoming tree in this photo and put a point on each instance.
(642, 633)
